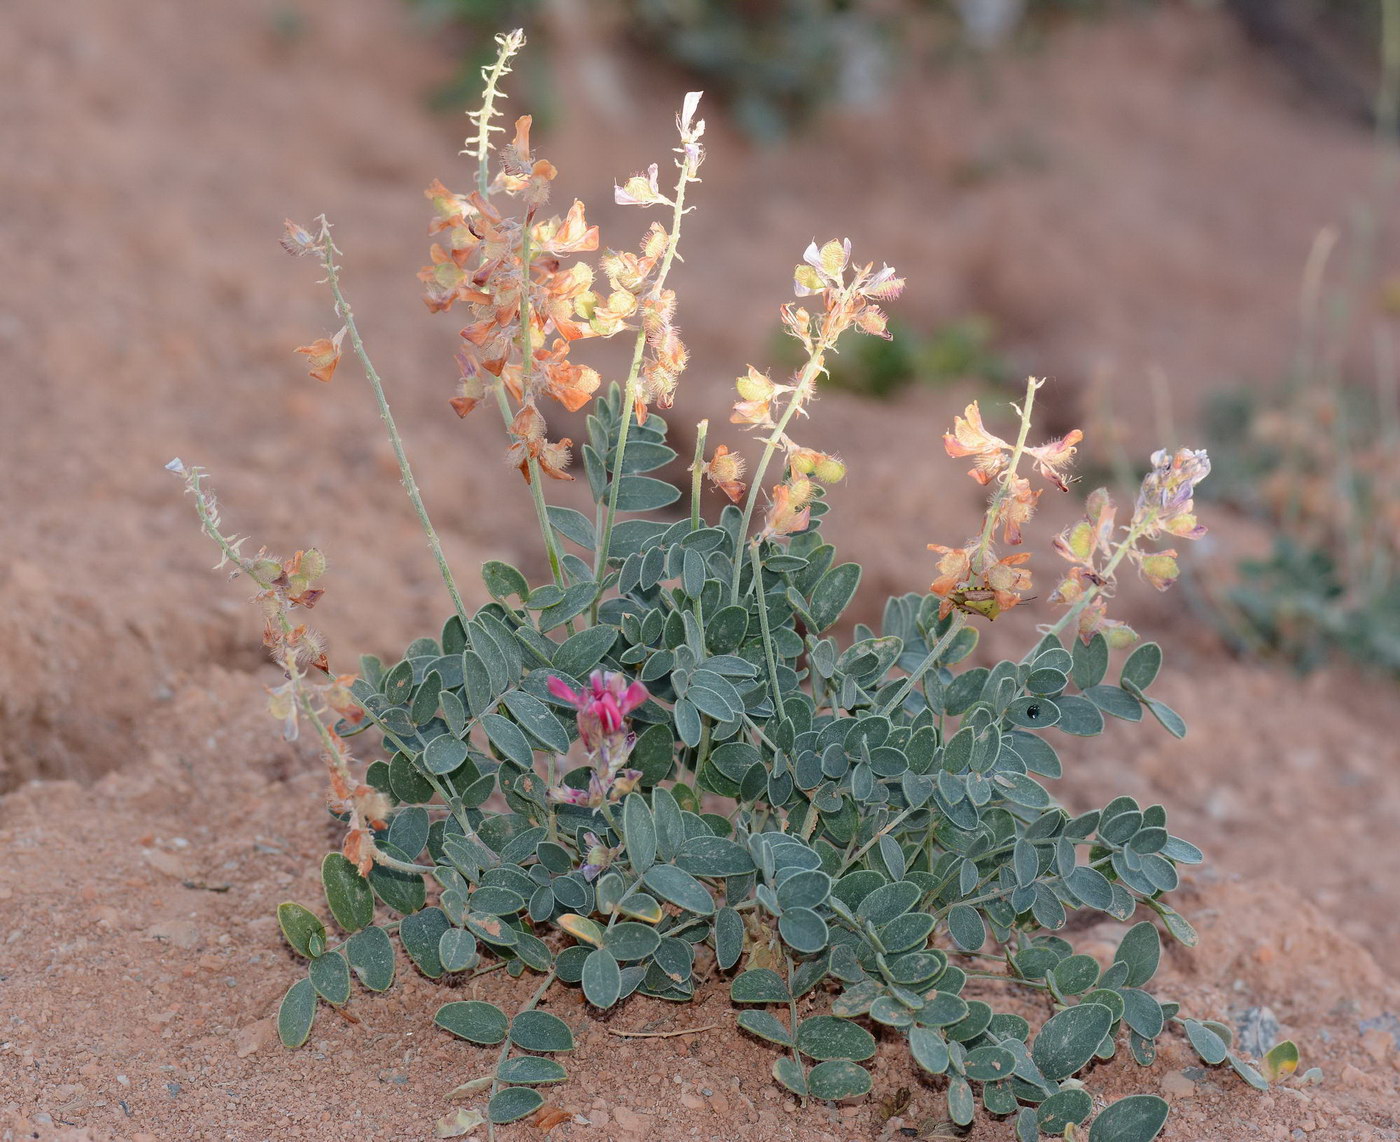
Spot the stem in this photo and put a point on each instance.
(697, 469)
(530, 1005)
(508, 415)
(1008, 478)
(629, 389)
(342, 307)
(768, 654)
(940, 648)
(1129, 541)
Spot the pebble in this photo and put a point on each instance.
(181, 933)
(1175, 1084)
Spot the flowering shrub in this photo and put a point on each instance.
(661, 765)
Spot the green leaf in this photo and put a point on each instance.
(1141, 950)
(330, 976)
(1281, 1061)
(788, 1071)
(631, 941)
(457, 950)
(729, 938)
(1247, 1072)
(833, 593)
(765, 1026)
(507, 737)
(961, 1108)
(502, 580)
(541, 1031)
(1069, 1039)
(758, 985)
(474, 1021)
(836, 1080)
(1137, 1118)
(602, 978)
(371, 956)
(573, 526)
(680, 888)
(644, 494)
(398, 683)
(530, 1070)
(347, 893)
(1116, 701)
(513, 1103)
(827, 1037)
(421, 934)
(538, 719)
(1090, 661)
(1075, 974)
(296, 1014)
(713, 856)
(1141, 667)
(300, 926)
(1063, 1108)
(1141, 1012)
(803, 930)
(444, 754)
(1170, 720)
(888, 902)
(930, 1050)
(1210, 1046)
(580, 653)
(966, 928)
(639, 833)
(989, 1064)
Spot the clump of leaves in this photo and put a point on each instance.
(666, 748)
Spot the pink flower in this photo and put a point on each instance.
(602, 707)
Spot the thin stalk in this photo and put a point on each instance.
(768, 654)
(342, 308)
(940, 648)
(1130, 540)
(1003, 492)
(801, 392)
(508, 414)
(629, 388)
(530, 1005)
(697, 470)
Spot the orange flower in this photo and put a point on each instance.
(323, 355)
(789, 513)
(971, 438)
(724, 470)
(1050, 458)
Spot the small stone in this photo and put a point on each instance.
(1258, 1029)
(253, 1038)
(174, 1089)
(1175, 1084)
(165, 862)
(691, 1101)
(1377, 1043)
(181, 933)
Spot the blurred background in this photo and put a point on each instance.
(1182, 213)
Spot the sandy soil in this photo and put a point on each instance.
(1160, 222)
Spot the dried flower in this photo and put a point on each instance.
(725, 470)
(323, 355)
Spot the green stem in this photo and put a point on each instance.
(940, 648)
(629, 389)
(328, 252)
(697, 470)
(530, 1005)
(768, 653)
(1008, 479)
(1135, 533)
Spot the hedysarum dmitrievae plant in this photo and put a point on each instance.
(664, 746)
